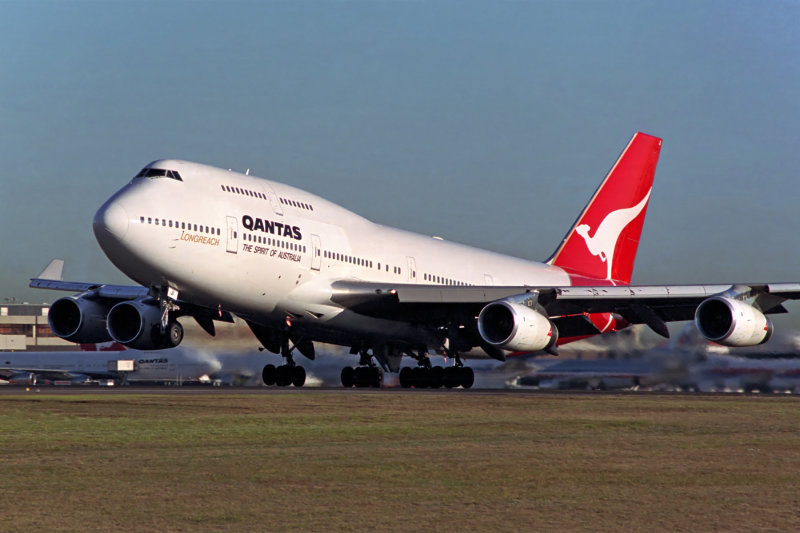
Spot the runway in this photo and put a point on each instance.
(10, 391)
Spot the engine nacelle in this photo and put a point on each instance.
(516, 327)
(79, 319)
(732, 322)
(137, 324)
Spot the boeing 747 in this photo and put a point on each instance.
(210, 243)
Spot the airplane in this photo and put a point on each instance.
(688, 362)
(210, 243)
(175, 365)
(691, 362)
(603, 374)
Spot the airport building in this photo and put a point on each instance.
(24, 327)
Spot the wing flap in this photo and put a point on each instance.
(650, 304)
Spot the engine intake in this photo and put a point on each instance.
(79, 319)
(732, 322)
(137, 324)
(516, 327)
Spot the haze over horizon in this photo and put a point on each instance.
(488, 123)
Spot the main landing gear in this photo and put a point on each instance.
(436, 377)
(284, 375)
(425, 376)
(287, 374)
(367, 374)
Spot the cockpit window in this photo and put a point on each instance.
(147, 172)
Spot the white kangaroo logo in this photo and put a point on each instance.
(604, 240)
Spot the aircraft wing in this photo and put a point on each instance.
(51, 278)
(115, 292)
(567, 307)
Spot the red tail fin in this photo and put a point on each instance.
(603, 242)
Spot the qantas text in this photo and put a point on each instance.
(275, 228)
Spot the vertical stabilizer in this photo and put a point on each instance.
(603, 241)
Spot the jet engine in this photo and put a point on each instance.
(732, 322)
(137, 324)
(79, 319)
(512, 326)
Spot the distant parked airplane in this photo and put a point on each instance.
(177, 365)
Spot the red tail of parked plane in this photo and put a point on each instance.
(603, 241)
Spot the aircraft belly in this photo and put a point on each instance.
(375, 329)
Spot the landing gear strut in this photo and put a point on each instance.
(367, 374)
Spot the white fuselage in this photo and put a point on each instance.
(259, 248)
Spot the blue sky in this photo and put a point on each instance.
(489, 123)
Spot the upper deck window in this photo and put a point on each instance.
(159, 173)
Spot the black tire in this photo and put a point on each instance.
(348, 377)
(377, 377)
(268, 375)
(173, 334)
(363, 376)
(436, 377)
(406, 377)
(421, 378)
(450, 377)
(283, 376)
(298, 376)
(467, 377)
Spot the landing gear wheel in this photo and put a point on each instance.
(298, 376)
(377, 377)
(269, 374)
(436, 377)
(467, 377)
(283, 376)
(362, 376)
(420, 377)
(348, 377)
(406, 377)
(173, 334)
(450, 377)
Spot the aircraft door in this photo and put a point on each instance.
(316, 252)
(273, 200)
(233, 235)
(489, 279)
(412, 269)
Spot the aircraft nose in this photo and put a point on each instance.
(111, 219)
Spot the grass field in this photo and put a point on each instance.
(392, 461)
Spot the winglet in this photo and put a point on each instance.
(54, 270)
